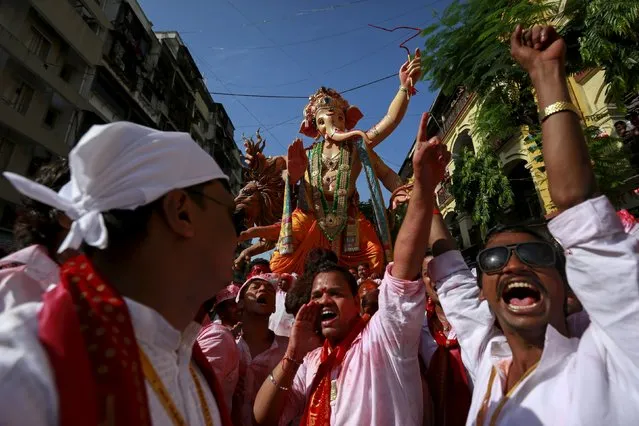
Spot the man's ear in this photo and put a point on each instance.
(177, 209)
(481, 294)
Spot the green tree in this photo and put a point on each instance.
(480, 187)
(610, 162)
(469, 46)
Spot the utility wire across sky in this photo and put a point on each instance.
(253, 95)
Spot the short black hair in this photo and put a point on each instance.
(128, 228)
(368, 265)
(334, 267)
(37, 223)
(541, 233)
(623, 123)
(300, 291)
(316, 257)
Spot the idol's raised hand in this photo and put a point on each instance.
(297, 161)
(411, 71)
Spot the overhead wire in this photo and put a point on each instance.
(338, 34)
(255, 95)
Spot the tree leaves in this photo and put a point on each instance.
(480, 187)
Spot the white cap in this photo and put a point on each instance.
(120, 165)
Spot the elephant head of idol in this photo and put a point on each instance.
(329, 115)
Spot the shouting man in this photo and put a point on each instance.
(529, 372)
(366, 372)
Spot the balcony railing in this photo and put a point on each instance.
(457, 105)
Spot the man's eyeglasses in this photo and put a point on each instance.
(236, 217)
(533, 253)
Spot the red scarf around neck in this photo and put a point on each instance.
(86, 330)
(446, 376)
(318, 408)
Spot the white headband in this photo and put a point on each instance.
(120, 166)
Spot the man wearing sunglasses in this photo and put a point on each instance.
(528, 371)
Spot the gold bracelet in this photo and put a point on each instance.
(558, 107)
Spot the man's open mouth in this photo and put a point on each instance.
(521, 296)
(327, 315)
(261, 300)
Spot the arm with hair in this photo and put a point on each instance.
(602, 261)
(402, 293)
(458, 294)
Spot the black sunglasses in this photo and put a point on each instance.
(237, 217)
(533, 253)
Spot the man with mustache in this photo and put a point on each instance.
(366, 372)
(529, 372)
(114, 342)
(260, 349)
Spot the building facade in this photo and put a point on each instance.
(66, 65)
(453, 121)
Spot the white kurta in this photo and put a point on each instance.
(25, 275)
(28, 394)
(589, 381)
(281, 322)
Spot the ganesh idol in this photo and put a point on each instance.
(326, 213)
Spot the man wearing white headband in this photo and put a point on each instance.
(114, 342)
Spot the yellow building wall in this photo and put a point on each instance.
(588, 92)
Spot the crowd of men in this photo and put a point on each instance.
(119, 309)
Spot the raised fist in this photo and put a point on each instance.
(537, 48)
(430, 158)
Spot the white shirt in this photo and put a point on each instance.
(281, 322)
(25, 275)
(589, 381)
(28, 394)
(378, 383)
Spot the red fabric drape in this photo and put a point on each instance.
(86, 329)
(446, 377)
(318, 408)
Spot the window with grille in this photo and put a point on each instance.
(39, 45)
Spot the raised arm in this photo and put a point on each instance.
(602, 261)
(409, 74)
(458, 294)
(570, 177)
(429, 163)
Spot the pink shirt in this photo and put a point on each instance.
(25, 275)
(253, 372)
(218, 344)
(379, 382)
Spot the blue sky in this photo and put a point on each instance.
(292, 47)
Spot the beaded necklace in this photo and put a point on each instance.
(331, 219)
